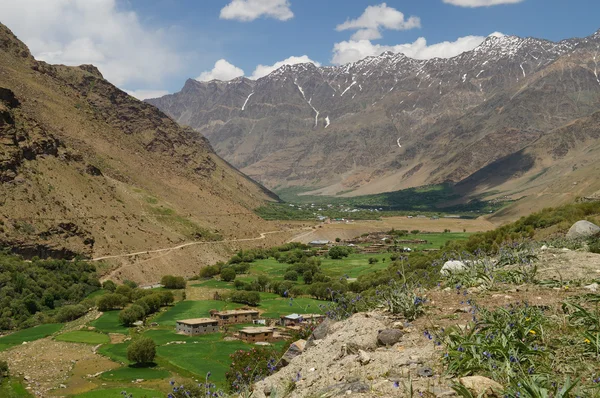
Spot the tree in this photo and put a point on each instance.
(173, 282)
(415, 232)
(141, 350)
(338, 252)
(228, 274)
(70, 312)
(130, 315)
(263, 281)
(110, 286)
(129, 283)
(338, 240)
(373, 260)
(308, 277)
(111, 301)
(124, 290)
(291, 276)
(209, 272)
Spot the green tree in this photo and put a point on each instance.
(308, 277)
(291, 276)
(228, 274)
(110, 286)
(142, 350)
(70, 312)
(173, 282)
(338, 252)
(130, 315)
(415, 232)
(111, 301)
(4, 371)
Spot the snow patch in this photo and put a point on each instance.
(246, 102)
(524, 75)
(480, 72)
(464, 78)
(398, 142)
(349, 87)
(327, 122)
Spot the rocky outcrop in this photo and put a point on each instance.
(583, 229)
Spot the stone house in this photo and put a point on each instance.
(232, 317)
(193, 327)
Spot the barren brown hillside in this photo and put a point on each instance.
(87, 169)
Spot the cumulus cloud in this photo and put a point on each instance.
(481, 3)
(354, 50)
(263, 70)
(74, 32)
(249, 10)
(223, 70)
(375, 18)
(145, 94)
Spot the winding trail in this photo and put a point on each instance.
(262, 236)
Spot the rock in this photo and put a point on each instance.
(425, 372)
(593, 287)
(363, 357)
(319, 333)
(453, 267)
(482, 386)
(389, 337)
(544, 247)
(62, 386)
(399, 325)
(295, 349)
(464, 310)
(583, 229)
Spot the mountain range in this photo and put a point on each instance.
(86, 169)
(514, 118)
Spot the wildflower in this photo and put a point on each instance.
(532, 332)
(396, 384)
(587, 341)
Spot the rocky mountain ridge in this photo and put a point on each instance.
(391, 122)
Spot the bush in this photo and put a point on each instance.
(594, 245)
(338, 240)
(243, 297)
(173, 282)
(110, 286)
(4, 371)
(415, 232)
(228, 274)
(291, 276)
(141, 350)
(209, 272)
(70, 313)
(373, 260)
(112, 301)
(338, 252)
(131, 314)
(248, 366)
(129, 283)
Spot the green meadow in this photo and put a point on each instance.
(30, 334)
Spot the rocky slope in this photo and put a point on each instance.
(85, 168)
(391, 122)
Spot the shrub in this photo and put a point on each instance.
(173, 282)
(228, 274)
(110, 286)
(415, 232)
(209, 272)
(4, 371)
(129, 283)
(112, 301)
(131, 314)
(248, 366)
(338, 240)
(141, 350)
(373, 260)
(70, 313)
(338, 252)
(291, 276)
(243, 297)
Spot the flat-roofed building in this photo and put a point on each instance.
(193, 327)
(297, 319)
(232, 317)
(257, 334)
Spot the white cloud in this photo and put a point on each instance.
(368, 26)
(481, 3)
(223, 70)
(74, 32)
(263, 70)
(145, 94)
(249, 10)
(354, 50)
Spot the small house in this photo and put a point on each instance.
(319, 243)
(193, 327)
(232, 317)
(257, 334)
(297, 319)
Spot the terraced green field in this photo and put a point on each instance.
(30, 334)
(118, 393)
(82, 336)
(109, 323)
(129, 373)
(192, 309)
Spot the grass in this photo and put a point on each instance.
(129, 373)
(214, 284)
(97, 293)
(191, 309)
(116, 352)
(275, 306)
(209, 355)
(30, 334)
(82, 336)
(109, 323)
(13, 388)
(117, 393)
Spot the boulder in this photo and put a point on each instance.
(482, 386)
(452, 267)
(363, 357)
(583, 229)
(389, 337)
(320, 332)
(295, 349)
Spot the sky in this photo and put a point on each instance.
(151, 47)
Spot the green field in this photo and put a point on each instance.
(118, 393)
(13, 388)
(213, 284)
(82, 336)
(97, 293)
(199, 358)
(190, 310)
(129, 373)
(116, 352)
(109, 323)
(275, 306)
(30, 334)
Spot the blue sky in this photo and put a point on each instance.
(150, 47)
